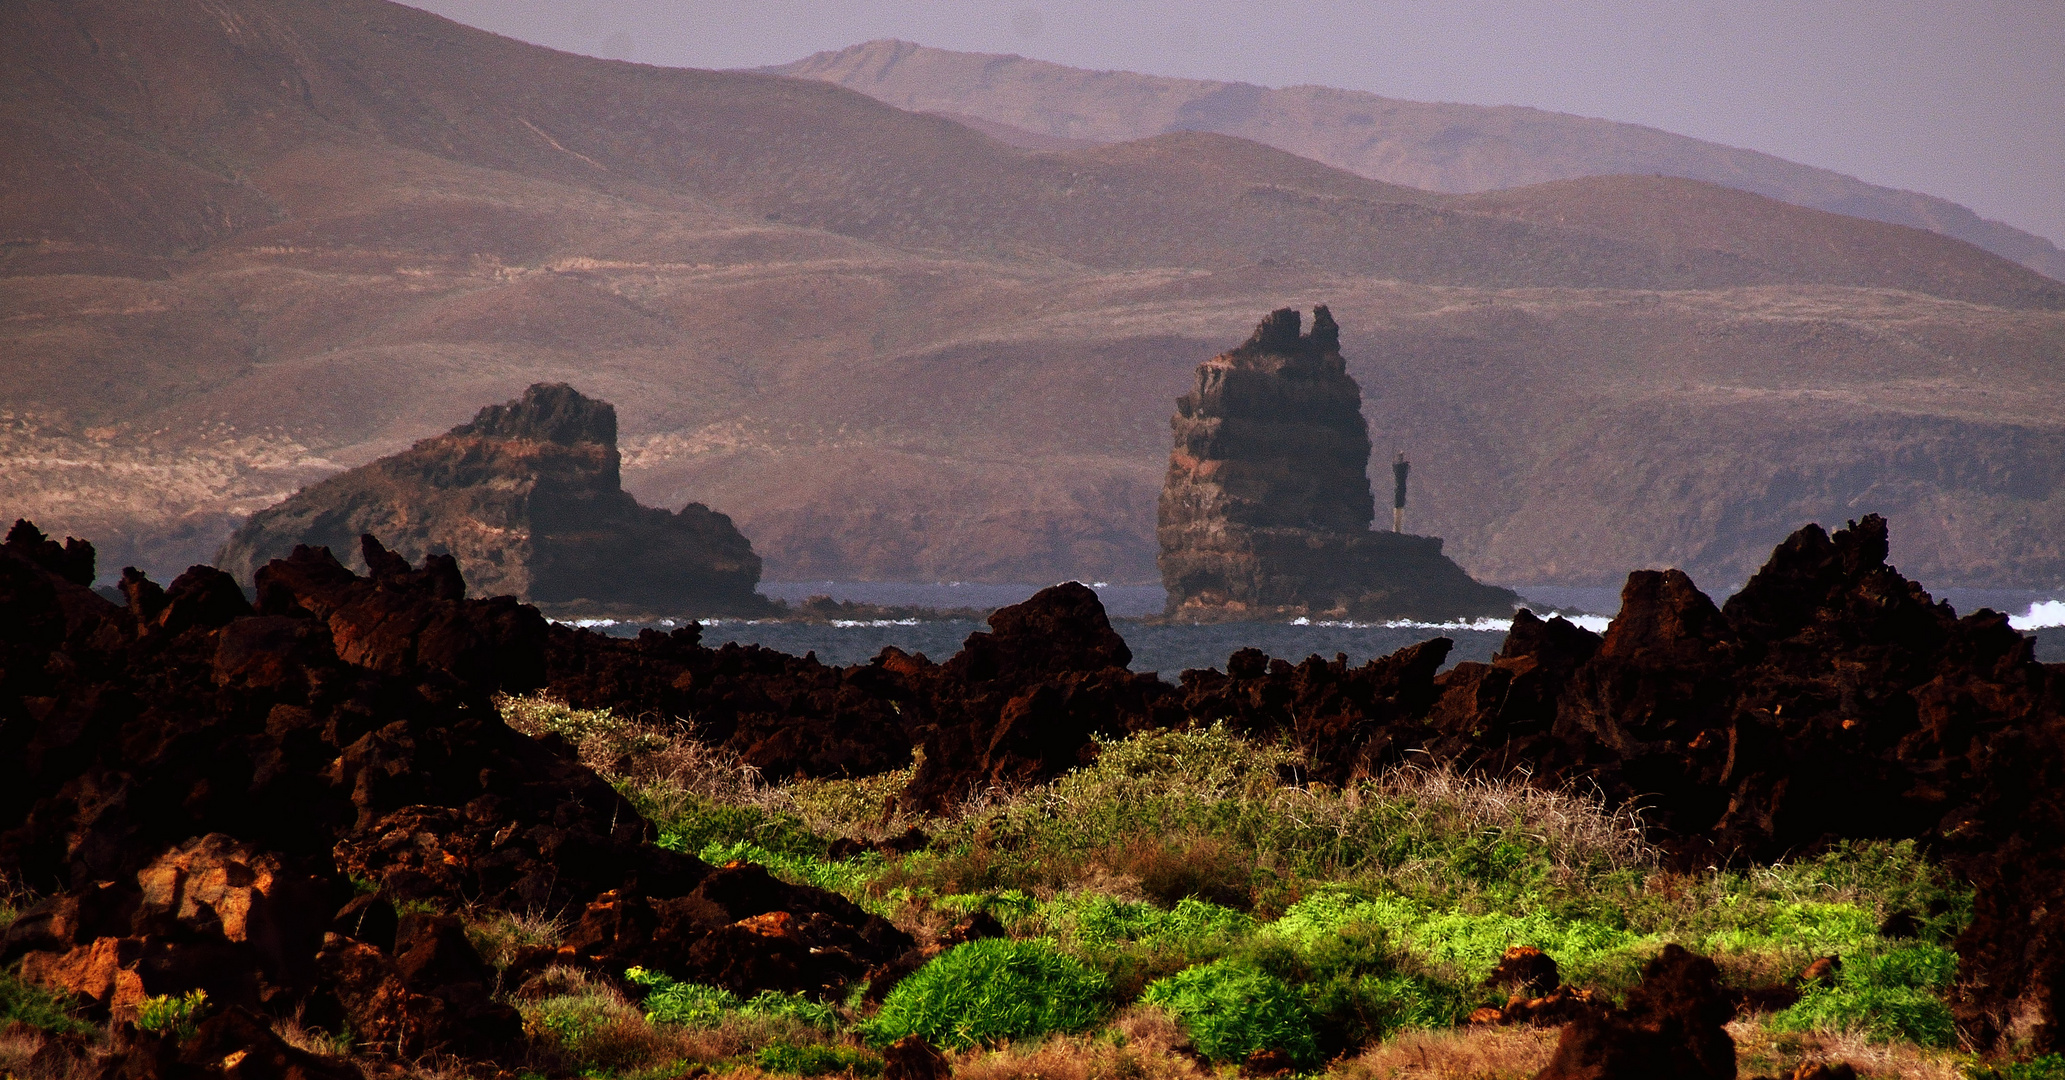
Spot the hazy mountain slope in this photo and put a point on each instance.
(1440, 147)
(248, 244)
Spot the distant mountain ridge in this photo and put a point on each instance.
(1437, 146)
(246, 244)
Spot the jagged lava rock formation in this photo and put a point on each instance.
(529, 498)
(1266, 511)
(279, 804)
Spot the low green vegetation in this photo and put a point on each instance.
(1191, 872)
(1886, 992)
(692, 1005)
(818, 1059)
(1233, 1009)
(178, 1014)
(991, 991)
(36, 1007)
(2047, 1067)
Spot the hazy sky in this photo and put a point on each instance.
(1960, 98)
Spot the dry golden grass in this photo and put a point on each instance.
(1473, 1053)
(1142, 1044)
(295, 1032)
(497, 934)
(1515, 1053)
(582, 1025)
(1760, 1051)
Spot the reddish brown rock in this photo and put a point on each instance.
(1525, 971)
(1022, 702)
(193, 782)
(528, 496)
(740, 928)
(1351, 721)
(1266, 511)
(234, 1044)
(912, 1058)
(1673, 1025)
(433, 996)
(788, 716)
(102, 975)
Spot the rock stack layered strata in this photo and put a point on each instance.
(529, 499)
(1266, 512)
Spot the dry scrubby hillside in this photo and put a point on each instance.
(249, 244)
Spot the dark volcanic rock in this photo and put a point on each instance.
(740, 928)
(196, 785)
(234, 1044)
(174, 770)
(1351, 722)
(1266, 511)
(1023, 702)
(1673, 1025)
(527, 496)
(788, 716)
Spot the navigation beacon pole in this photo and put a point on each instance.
(1399, 467)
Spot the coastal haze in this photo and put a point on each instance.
(253, 244)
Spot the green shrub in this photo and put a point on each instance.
(2047, 1067)
(1808, 926)
(1470, 943)
(1231, 1009)
(174, 1013)
(1895, 1012)
(1353, 1010)
(991, 990)
(1889, 993)
(817, 1059)
(36, 1007)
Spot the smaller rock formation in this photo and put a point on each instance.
(529, 498)
(1267, 509)
(1674, 1025)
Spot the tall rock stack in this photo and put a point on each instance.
(529, 499)
(1267, 509)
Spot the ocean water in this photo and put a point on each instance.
(1169, 650)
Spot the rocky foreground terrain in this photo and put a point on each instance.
(284, 804)
(248, 245)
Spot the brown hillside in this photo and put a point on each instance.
(1436, 146)
(259, 243)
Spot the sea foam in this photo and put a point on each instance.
(1595, 623)
(2040, 616)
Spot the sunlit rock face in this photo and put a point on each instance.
(529, 499)
(1266, 511)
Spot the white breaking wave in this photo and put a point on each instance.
(848, 624)
(2043, 616)
(1595, 623)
